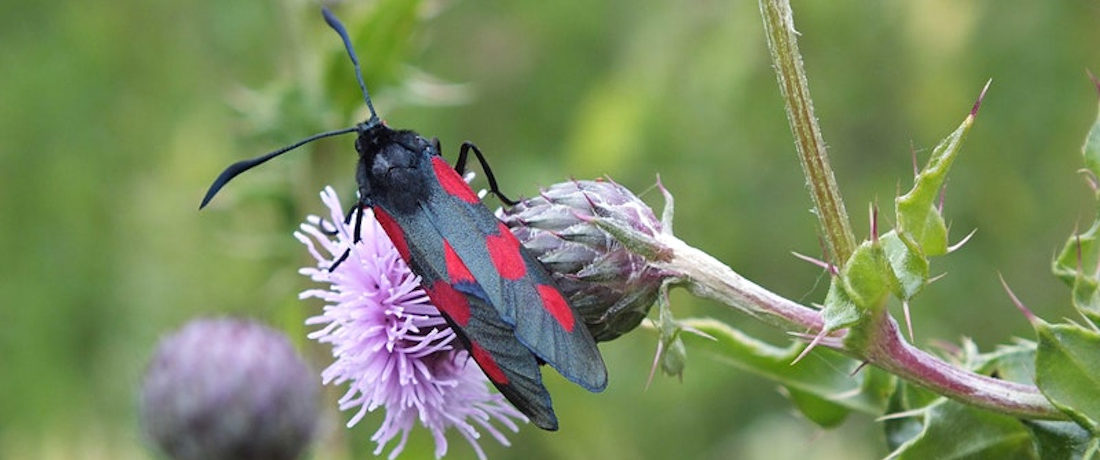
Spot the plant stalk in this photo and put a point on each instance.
(708, 277)
(828, 204)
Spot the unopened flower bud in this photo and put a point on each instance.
(611, 287)
(226, 389)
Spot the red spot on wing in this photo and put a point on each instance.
(393, 231)
(488, 364)
(450, 302)
(504, 251)
(554, 303)
(456, 269)
(451, 182)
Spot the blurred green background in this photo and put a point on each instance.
(115, 116)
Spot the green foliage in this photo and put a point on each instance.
(918, 216)
(1091, 148)
(1067, 370)
(1063, 440)
(1067, 364)
(909, 267)
(821, 385)
(954, 431)
(1078, 265)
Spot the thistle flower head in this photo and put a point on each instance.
(228, 389)
(391, 345)
(610, 286)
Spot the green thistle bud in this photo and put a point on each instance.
(611, 287)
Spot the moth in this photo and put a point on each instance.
(501, 302)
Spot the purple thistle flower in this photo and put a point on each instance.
(391, 345)
(228, 389)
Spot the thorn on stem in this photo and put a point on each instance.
(956, 246)
(874, 222)
(913, 155)
(978, 103)
(905, 414)
(908, 319)
(1090, 179)
(820, 263)
(1080, 256)
(656, 361)
(813, 343)
(1031, 318)
(1095, 81)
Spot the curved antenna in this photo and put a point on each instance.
(339, 28)
(244, 165)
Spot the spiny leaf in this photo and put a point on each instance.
(1062, 440)
(954, 431)
(861, 289)
(867, 276)
(917, 213)
(898, 427)
(840, 311)
(910, 267)
(817, 409)
(825, 374)
(1067, 370)
(1091, 149)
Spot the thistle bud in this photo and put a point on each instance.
(225, 389)
(611, 287)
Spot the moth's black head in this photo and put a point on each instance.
(391, 165)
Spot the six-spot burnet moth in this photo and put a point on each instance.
(499, 299)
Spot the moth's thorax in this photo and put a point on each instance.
(392, 166)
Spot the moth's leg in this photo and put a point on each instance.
(326, 229)
(438, 147)
(460, 168)
(356, 237)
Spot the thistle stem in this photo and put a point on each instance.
(828, 204)
(708, 277)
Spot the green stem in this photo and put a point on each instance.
(708, 277)
(829, 206)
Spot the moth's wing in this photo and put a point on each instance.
(491, 342)
(516, 283)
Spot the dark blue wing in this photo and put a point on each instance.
(516, 284)
(510, 366)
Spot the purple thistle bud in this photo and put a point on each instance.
(611, 287)
(391, 345)
(228, 389)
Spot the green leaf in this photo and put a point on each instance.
(900, 430)
(824, 373)
(1091, 149)
(817, 409)
(840, 311)
(917, 214)
(910, 267)
(1062, 440)
(861, 289)
(954, 431)
(1015, 363)
(1067, 370)
(1077, 266)
(1079, 256)
(867, 277)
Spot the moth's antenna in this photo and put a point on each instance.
(244, 165)
(339, 28)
